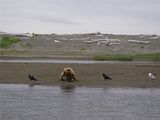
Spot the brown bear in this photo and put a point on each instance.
(68, 75)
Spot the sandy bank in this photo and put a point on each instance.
(123, 75)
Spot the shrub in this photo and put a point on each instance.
(128, 57)
(7, 41)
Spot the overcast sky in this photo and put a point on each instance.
(80, 16)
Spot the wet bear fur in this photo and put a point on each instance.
(68, 75)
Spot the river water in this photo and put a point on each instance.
(67, 102)
(75, 61)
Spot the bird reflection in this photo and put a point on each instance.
(32, 84)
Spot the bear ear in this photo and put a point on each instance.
(66, 68)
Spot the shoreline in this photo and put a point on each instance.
(69, 59)
(60, 57)
(88, 75)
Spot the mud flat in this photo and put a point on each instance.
(123, 74)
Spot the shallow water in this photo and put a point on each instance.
(76, 61)
(67, 102)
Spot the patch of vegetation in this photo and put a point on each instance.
(128, 57)
(82, 49)
(113, 57)
(148, 56)
(7, 41)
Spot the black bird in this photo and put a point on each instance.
(32, 78)
(105, 76)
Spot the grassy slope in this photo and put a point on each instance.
(128, 57)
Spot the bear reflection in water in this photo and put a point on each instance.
(68, 75)
(67, 87)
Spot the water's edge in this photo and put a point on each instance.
(76, 61)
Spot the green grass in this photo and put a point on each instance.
(148, 56)
(128, 57)
(82, 49)
(7, 41)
